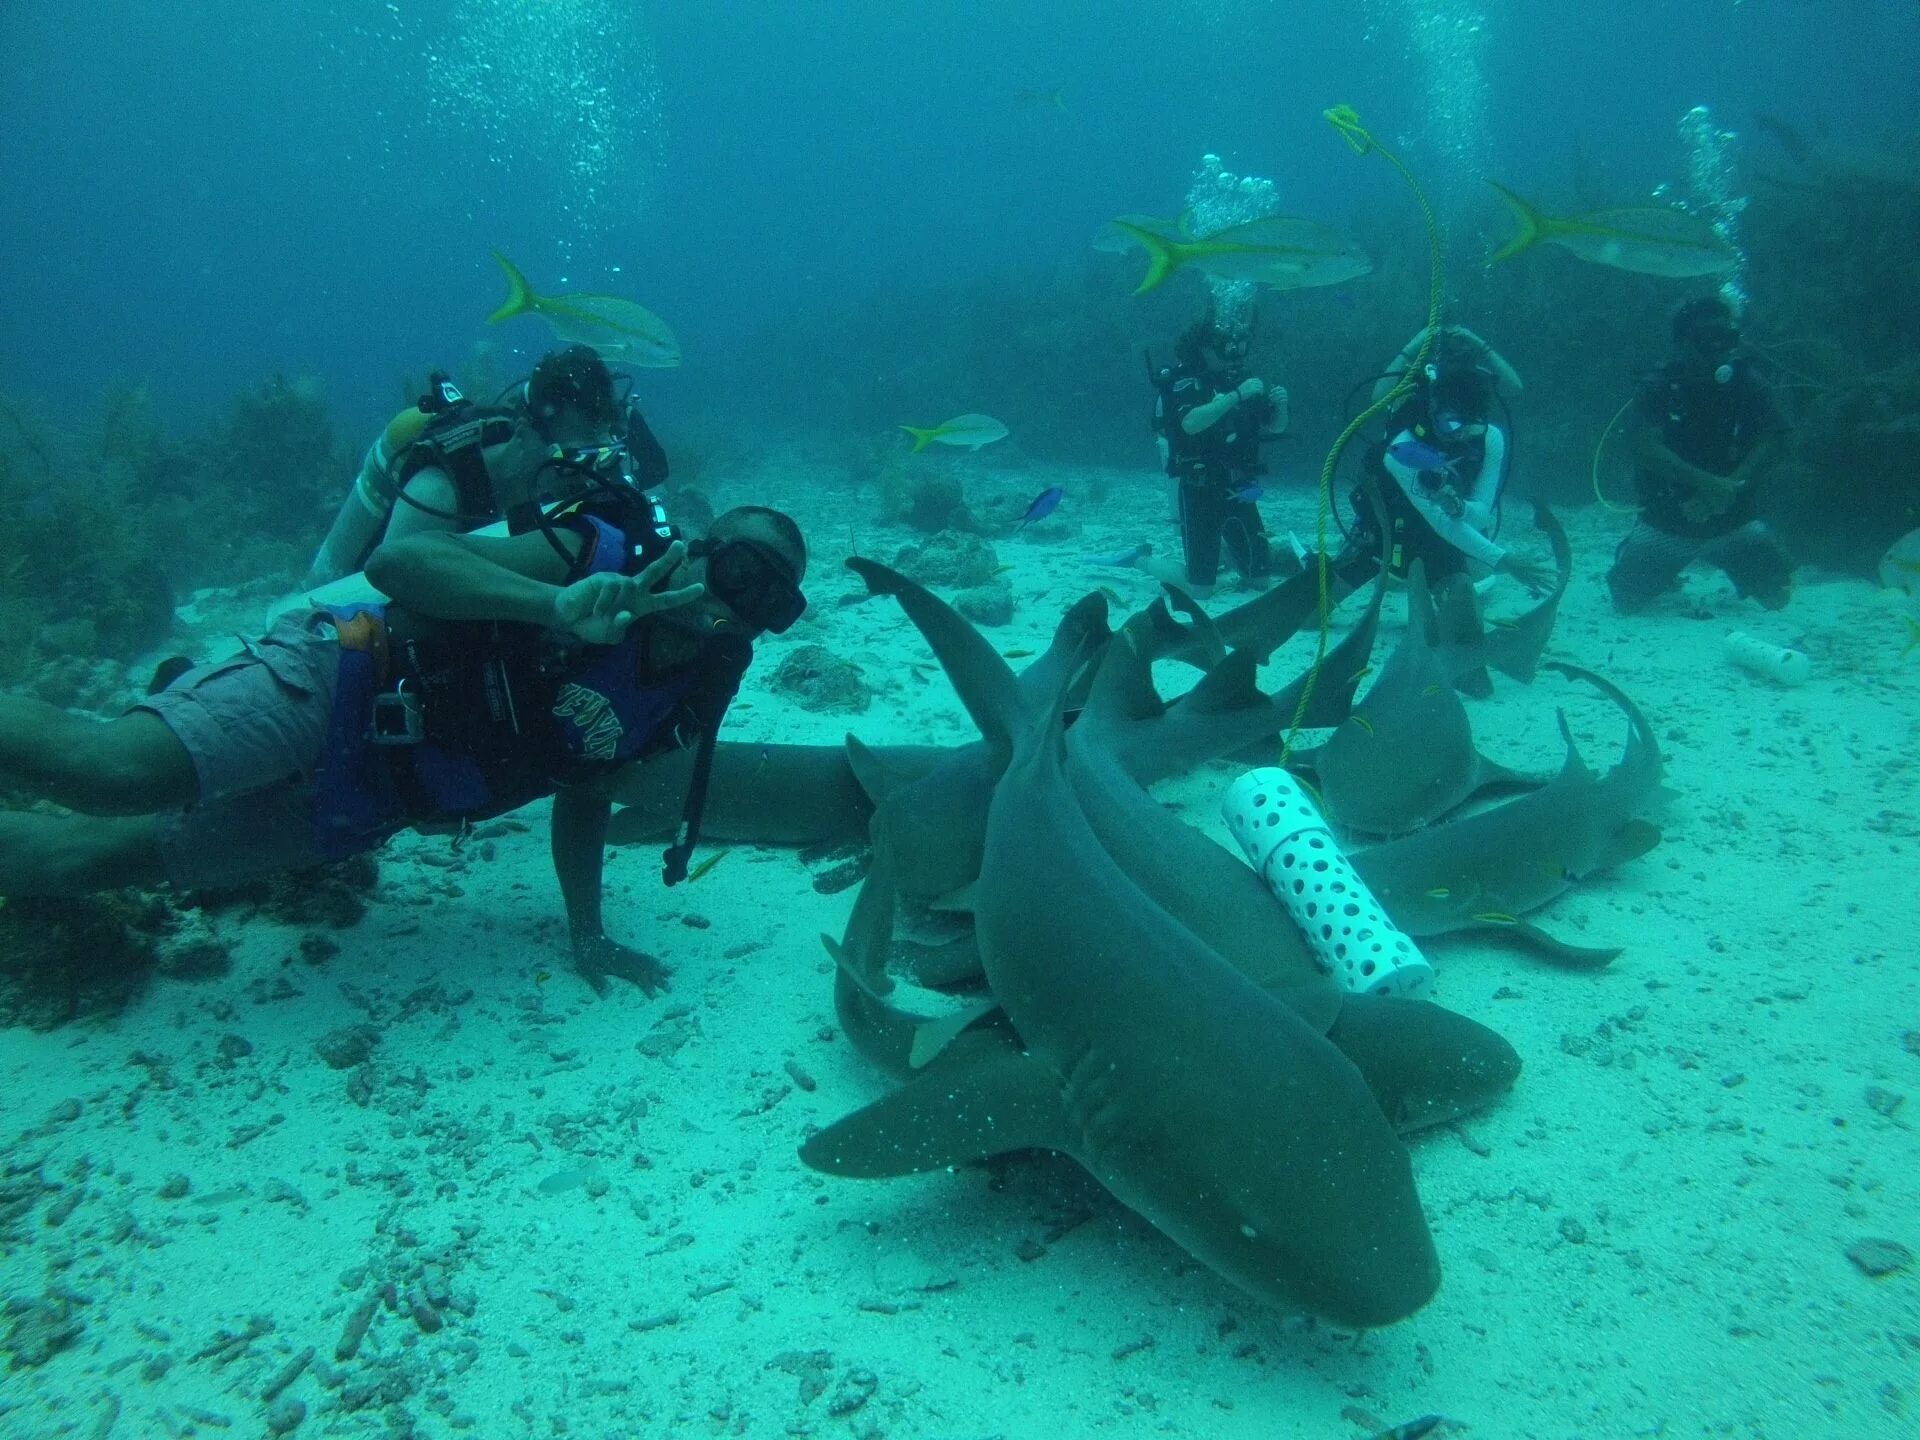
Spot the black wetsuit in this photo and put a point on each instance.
(1712, 425)
(1214, 469)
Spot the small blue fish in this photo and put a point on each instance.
(1420, 457)
(1123, 559)
(1250, 493)
(1043, 505)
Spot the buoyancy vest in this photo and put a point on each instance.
(447, 722)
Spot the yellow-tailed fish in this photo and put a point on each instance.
(707, 864)
(1900, 566)
(1016, 654)
(620, 329)
(1362, 721)
(1646, 239)
(1279, 251)
(972, 431)
(1496, 917)
(1439, 892)
(1117, 236)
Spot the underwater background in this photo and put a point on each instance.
(238, 237)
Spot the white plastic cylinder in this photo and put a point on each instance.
(1777, 663)
(1287, 842)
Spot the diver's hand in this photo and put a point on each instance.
(599, 608)
(597, 960)
(1449, 501)
(1252, 388)
(1539, 576)
(1710, 500)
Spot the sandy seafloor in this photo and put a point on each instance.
(1648, 1237)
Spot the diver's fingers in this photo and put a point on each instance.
(672, 599)
(668, 561)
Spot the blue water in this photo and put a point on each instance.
(199, 195)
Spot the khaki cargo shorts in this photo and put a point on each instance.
(255, 727)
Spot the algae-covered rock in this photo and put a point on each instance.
(990, 604)
(68, 959)
(924, 496)
(820, 681)
(949, 558)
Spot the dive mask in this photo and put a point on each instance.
(753, 582)
(605, 463)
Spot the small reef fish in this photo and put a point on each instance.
(619, 329)
(1044, 504)
(1055, 98)
(1124, 559)
(1249, 493)
(1279, 251)
(972, 431)
(1646, 239)
(707, 864)
(1420, 457)
(1016, 654)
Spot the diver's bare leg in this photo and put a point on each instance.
(76, 854)
(130, 766)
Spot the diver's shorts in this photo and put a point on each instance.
(1650, 560)
(254, 727)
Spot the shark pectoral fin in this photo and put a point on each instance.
(983, 1096)
(883, 1031)
(1629, 842)
(959, 899)
(874, 775)
(1549, 947)
(932, 1037)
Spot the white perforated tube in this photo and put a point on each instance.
(1289, 845)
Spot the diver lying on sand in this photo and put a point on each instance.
(504, 671)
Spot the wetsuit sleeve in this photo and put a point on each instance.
(1186, 395)
(1455, 531)
(1485, 493)
(644, 451)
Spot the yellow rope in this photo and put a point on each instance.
(1598, 494)
(1346, 120)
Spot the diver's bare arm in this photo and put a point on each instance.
(471, 577)
(580, 814)
(426, 505)
(1205, 417)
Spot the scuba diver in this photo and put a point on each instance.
(504, 669)
(447, 464)
(1709, 434)
(1433, 485)
(1210, 418)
